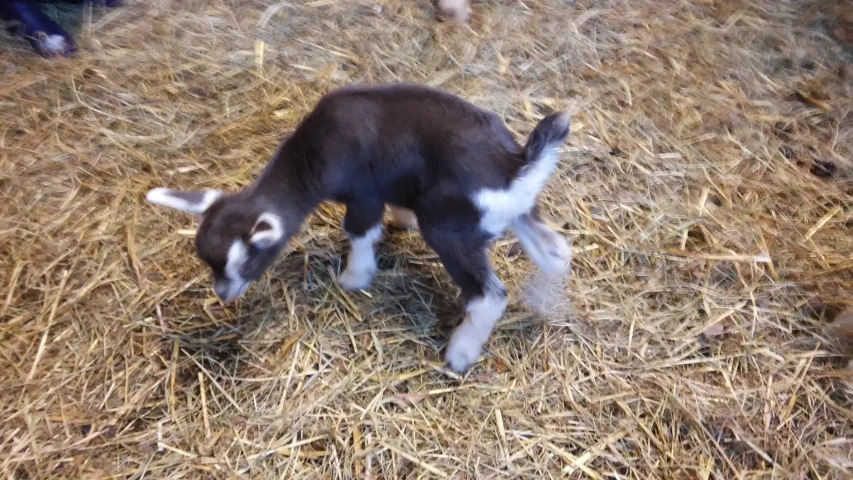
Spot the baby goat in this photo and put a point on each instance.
(437, 161)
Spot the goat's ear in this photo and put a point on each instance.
(268, 231)
(195, 202)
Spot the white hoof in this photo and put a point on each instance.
(354, 280)
(558, 255)
(54, 44)
(456, 10)
(464, 348)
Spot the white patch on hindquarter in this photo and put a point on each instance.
(361, 264)
(500, 207)
(482, 314)
(165, 197)
(234, 285)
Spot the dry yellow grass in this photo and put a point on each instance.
(706, 186)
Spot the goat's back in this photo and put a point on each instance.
(403, 139)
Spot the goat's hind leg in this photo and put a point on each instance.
(545, 293)
(464, 254)
(547, 248)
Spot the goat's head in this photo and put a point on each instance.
(238, 238)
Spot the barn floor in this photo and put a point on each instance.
(706, 188)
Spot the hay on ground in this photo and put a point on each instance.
(706, 189)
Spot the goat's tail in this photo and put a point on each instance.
(549, 133)
(541, 156)
(546, 247)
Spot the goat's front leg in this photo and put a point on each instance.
(363, 225)
(45, 35)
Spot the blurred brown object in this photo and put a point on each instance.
(841, 329)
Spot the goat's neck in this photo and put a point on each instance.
(279, 190)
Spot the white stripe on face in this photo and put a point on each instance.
(233, 285)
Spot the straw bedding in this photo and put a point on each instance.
(706, 188)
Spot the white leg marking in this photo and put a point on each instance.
(546, 292)
(457, 10)
(233, 285)
(481, 315)
(54, 44)
(500, 207)
(547, 248)
(546, 295)
(403, 218)
(361, 264)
